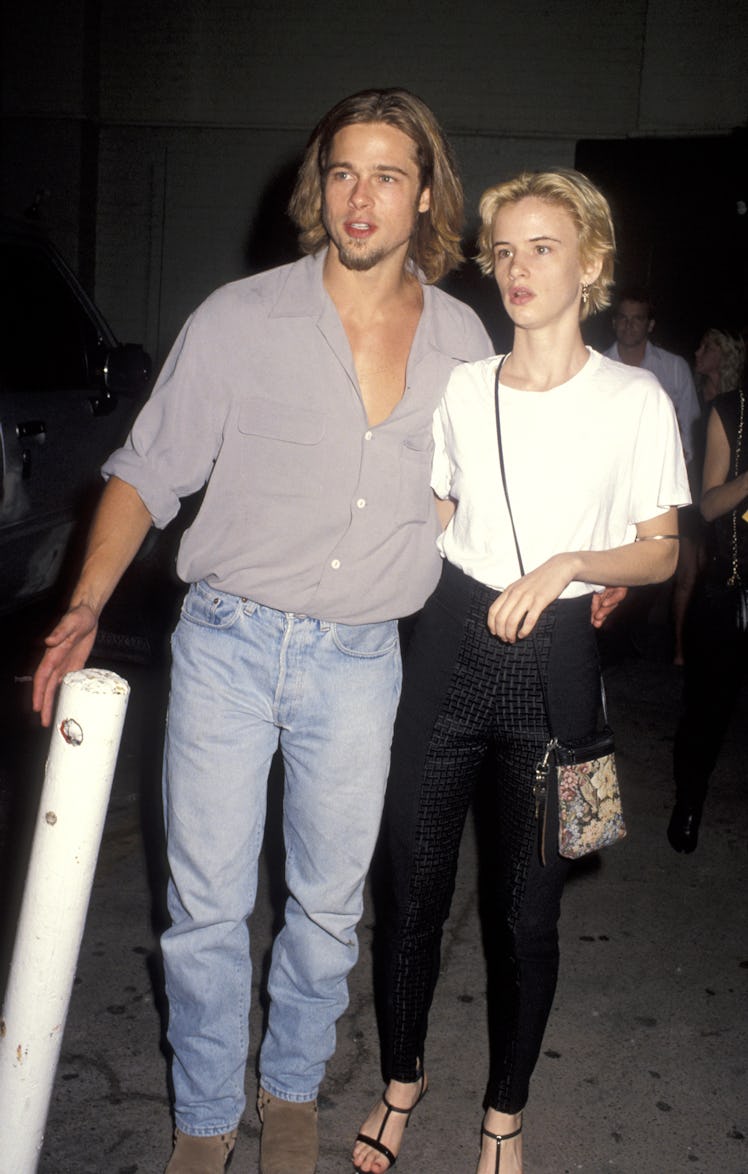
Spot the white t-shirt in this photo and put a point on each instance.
(584, 462)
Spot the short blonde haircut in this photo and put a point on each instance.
(732, 350)
(585, 204)
(435, 247)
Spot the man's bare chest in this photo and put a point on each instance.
(380, 356)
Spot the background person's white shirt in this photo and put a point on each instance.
(674, 374)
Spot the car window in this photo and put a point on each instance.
(47, 339)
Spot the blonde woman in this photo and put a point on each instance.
(719, 360)
(594, 472)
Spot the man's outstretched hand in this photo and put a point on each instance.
(68, 648)
(120, 524)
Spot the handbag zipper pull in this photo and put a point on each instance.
(540, 786)
(540, 791)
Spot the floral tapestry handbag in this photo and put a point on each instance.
(590, 815)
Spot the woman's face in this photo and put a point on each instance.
(537, 265)
(708, 357)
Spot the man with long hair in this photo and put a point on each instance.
(302, 399)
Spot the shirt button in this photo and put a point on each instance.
(335, 564)
(367, 435)
(361, 503)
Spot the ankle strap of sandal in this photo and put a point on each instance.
(499, 1137)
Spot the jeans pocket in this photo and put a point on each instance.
(366, 640)
(208, 608)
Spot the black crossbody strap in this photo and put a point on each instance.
(502, 360)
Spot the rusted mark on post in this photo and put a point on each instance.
(51, 818)
(71, 731)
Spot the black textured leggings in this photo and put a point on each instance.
(466, 692)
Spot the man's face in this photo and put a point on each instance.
(372, 194)
(632, 323)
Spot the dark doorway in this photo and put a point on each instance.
(681, 214)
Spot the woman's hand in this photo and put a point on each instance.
(514, 614)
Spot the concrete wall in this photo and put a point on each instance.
(166, 134)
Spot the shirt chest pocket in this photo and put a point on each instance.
(284, 448)
(415, 501)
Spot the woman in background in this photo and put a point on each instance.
(716, 629)
(719, 360)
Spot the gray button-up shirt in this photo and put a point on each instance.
(307, 509)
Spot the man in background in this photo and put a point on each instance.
(633, 323)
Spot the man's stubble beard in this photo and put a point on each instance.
(359, 262)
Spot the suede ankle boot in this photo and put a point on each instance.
(289, 1143)
(201, 1155)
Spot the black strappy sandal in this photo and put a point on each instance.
(376, 1143)
(498, 1138)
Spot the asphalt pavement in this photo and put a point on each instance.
(644, 1068)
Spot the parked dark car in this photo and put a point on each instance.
(68, 392)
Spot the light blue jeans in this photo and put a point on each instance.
(244, 677)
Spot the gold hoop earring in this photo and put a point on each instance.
(585, 293)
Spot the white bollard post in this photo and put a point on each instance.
(77, 783)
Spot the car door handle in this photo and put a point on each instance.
(31, 428)
(35, 430)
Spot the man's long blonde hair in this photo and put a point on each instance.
(435, 246)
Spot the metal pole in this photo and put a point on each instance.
(77, 783)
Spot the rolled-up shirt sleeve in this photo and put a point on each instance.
(176, 437)
(441, 467)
